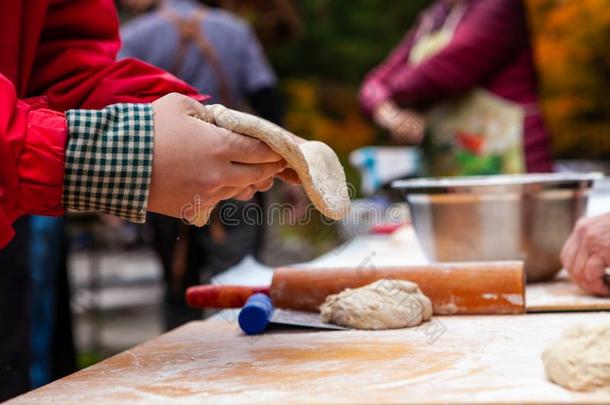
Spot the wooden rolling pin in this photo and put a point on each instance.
(454, 288)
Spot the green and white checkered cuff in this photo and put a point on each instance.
(109, 160)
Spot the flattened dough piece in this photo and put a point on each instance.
(580, 360)
(315, 162)
(384, 304)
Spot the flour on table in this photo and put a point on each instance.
(580, 360)
(384, 304)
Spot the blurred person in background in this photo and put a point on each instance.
(464, 76)
(216, 52)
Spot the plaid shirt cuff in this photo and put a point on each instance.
(109, 160)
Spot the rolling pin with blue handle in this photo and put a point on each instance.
(256, 314)
(453, 288)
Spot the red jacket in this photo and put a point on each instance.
(65, 51)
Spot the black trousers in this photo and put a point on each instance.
(14, 316)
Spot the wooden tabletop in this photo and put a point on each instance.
(402, 248)
(561, 294)
(458, 359)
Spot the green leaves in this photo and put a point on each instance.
(343, 39)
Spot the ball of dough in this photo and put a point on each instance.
(580, 360)
(384, 304)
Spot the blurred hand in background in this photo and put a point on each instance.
(586, 254)
(405, 126)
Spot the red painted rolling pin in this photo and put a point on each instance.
(454, 288)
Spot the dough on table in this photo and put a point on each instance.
(580, 360)
(315, 162)
(384, 304)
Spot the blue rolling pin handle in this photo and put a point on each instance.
(256, 314)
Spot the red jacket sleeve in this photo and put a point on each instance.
(75, 62)
(74, 67)
(32, 144)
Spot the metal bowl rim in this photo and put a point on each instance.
(439, 184)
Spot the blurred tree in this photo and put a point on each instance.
(343, 39)
(572, 52)
(276, 21)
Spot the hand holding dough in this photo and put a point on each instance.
(384, 304)
(316, 163)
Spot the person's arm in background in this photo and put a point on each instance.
(257, 80)
(406, 126)
(373, 91)
(489, 35)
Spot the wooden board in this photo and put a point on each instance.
(561, 295)
(461, 359)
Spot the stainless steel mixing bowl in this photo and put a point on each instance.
(506, 217)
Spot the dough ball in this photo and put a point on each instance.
(384, 304)
(580, 360)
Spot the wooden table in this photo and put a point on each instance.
(561, 294)
(477, 359)
(482, 359)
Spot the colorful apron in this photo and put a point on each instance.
(478, 133)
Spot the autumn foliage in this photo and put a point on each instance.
(572, 51)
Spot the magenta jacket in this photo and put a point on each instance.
(490, 49)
